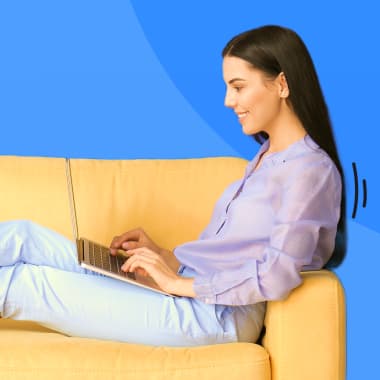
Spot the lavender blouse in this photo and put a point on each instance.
(278, 220)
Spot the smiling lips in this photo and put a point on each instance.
(241, 115)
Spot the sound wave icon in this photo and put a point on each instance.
(364, 204)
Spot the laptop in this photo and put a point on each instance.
(97, 258)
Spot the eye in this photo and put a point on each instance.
(238, 88)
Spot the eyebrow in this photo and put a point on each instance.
(236, 80)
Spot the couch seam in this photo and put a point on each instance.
(197, 367)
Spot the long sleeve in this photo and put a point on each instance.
(302, 236)
(306, 225)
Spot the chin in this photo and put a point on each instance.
(249, 130)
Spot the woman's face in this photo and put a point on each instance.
(255, 99)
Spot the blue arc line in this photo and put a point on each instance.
(365, 193)
(356, 190)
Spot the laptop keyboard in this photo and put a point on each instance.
(100, 257)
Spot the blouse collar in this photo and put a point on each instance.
(278, 158)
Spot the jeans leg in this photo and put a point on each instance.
(244, 323)
(41, 280)
(88, 306)
(28, 242)
(248, 321)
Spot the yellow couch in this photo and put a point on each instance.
(172, 200)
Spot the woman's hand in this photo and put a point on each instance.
(138, 238)
(153, 264)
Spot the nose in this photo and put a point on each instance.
(229, 100)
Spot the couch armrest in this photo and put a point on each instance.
(306, 333)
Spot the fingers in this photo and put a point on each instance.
(128, 240)
(117, 241)
(140, 263)
(125, 246)
(141, 272)
(128, 245)
(140, 256)
(144, 259)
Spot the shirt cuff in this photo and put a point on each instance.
(204, 289)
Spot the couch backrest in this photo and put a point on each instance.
(171, 199)
(35, 188)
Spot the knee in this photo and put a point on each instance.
(19, 227)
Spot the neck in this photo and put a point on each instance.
(287, 130)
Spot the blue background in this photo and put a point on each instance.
(143, 79)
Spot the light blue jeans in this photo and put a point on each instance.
(41, 281)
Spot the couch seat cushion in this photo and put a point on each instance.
(30, 351)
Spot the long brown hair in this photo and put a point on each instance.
(274, 49)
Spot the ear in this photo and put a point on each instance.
(283, 89)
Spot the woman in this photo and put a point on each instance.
(281, 218)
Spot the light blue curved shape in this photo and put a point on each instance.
(199, 33)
